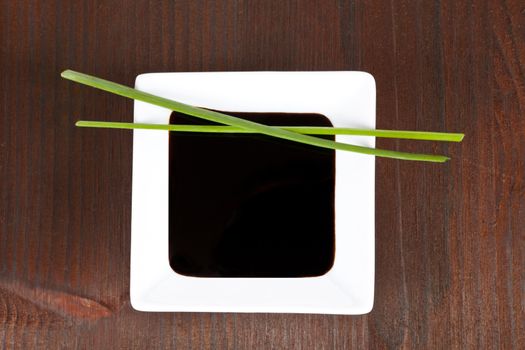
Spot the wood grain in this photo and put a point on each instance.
(450, 238)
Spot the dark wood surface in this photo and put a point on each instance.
(450, 238)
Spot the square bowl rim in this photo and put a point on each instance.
(148, 282)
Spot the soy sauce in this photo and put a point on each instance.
(249, 205)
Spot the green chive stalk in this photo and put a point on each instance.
(222, 118)
(309, 130)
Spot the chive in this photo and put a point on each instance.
(217, 117)
(310, 130)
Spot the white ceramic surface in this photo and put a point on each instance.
(348, 100)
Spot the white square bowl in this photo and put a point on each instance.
(347, 99)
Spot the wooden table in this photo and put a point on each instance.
(450, 238)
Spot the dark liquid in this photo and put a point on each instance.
(246, 205)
